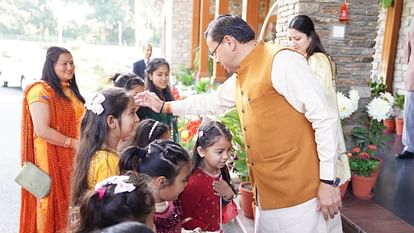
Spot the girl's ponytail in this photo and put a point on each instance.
(131, 158)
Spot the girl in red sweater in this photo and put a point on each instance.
(208, 188)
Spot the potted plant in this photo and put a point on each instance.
(239, 160)
(398, 109)
(365, 170)
(365, 167)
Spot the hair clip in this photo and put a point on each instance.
(200, 134)
(152, 129)
(96, 104)
(119, 181)
(101, 192)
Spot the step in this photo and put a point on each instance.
(366, 216)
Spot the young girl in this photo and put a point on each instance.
(132, 83)
(149, 130)
(157, 81)
(209, 182)
(110, 118)
(114, 200)
(169, 166)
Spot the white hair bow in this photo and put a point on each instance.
(119, 181)
(96, 104)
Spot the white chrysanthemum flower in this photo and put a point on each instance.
(345, 106)
(388, 97)
(379, 109)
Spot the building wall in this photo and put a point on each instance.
(407, 22)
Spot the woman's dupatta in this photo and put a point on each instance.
(60, 162)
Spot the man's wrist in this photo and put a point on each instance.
(335, 182)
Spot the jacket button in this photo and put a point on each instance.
(248, 146)
(242, 92)
(252, 163)
(244, 128)
(242, 110)
(248, 99)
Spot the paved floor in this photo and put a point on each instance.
(395, 187)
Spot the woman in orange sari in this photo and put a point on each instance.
(51, 116)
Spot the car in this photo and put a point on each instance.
(16, 72)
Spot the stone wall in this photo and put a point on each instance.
(353, 54)
(407, 22)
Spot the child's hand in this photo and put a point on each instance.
(221, 188)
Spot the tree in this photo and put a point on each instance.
(27, 19)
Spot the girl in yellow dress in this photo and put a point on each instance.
(110, 117)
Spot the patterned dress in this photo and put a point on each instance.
(169, 220)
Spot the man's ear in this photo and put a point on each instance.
(200, 151)
(230, 41)
(112, 122)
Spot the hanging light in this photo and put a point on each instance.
(344, 11)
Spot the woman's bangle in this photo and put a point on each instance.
(162, 106)
(68, 141)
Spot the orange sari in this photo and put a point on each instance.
(59, 162)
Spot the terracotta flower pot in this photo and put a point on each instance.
(343, 189)
(362, 186)
(399, 123)
(389, 125)
(246, 198)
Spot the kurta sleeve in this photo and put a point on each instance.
(293, 78)
(322, 70)
(212, 103)
(38, 93)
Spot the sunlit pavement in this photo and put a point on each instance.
(10, 105)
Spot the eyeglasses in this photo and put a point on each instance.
(213, 53)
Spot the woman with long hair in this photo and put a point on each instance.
(51, 116)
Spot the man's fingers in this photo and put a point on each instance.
(325, 213)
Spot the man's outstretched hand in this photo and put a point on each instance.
(148, 99)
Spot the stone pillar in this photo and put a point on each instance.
(178, 16)
(407, 23)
